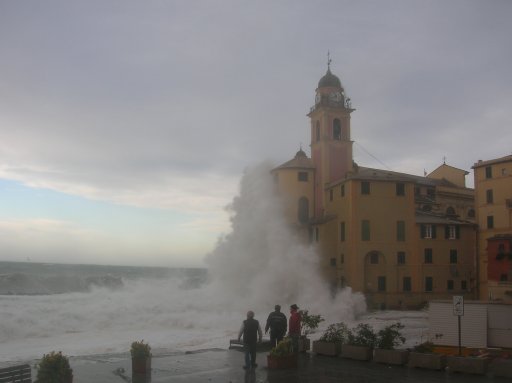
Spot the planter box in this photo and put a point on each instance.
(396, 357)
(429, 361)
(304, 344)
(281, 362)
(326, 348)
(141, 366)
(502, 367)
(467, 364)
(356, 352)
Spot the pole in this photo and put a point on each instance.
(460, 346)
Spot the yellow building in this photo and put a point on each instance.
(493, 195)
(401, 239)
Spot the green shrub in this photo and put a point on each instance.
(283, 348)
(309, 323)
(140, 350)
(54, 368)
(337, 332)
(390, 336)
(362, 335)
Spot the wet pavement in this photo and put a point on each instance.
(220, 365)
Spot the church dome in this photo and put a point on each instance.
(329, 80)
(301, 154)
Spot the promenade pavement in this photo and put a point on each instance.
(219, 365)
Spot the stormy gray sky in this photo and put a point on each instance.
(125, 126)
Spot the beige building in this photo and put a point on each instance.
(493, 198)
(401, 239)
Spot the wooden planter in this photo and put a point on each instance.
(502, 367)
(396, 357)
(467, 364)
(326, 348)
(428, 361)
(281, 362)
(356, 352)
(141, 366)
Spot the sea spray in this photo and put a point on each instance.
(262, 262)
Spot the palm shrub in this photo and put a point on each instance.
(336, 332)
(390, 336)
(54, 368)
(140, 350)
(283, 348)
(362, 335)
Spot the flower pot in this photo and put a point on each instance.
(326, 348)
(396, 357)
(281, 362)
(356, 352)
(428, 361)
(467, 365)
(502, 367)
(141, 366)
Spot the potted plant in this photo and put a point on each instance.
(423, 356)
(282, 356)
(308, 324)
(141, 358)
(330, 342)
(54, 368)
(475, 363)
(361, 341)
(388, 339)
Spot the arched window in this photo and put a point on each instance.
(303, 210)
(471, 213)
(318, 131)
(450, 211)
(336, 129)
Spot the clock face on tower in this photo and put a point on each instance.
(335, 96)
(318, 98)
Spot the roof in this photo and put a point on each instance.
(300, 161)
(329, 80)
(481, 163)
(442, 219)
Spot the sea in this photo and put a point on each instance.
(86, 310)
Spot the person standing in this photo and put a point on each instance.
(294, 327)
(278, 324)
(251, 332)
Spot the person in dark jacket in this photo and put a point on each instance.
(251, 332)
(278, 324)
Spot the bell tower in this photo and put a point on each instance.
(331, 146)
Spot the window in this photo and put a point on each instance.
(331, 195)
(365, 230)
(374, 258)
(449, 284)
(428, 255)
(417, 191)
(453, 256)
(400, 189)
(302, 176)
(429, 282)
(343, 190)
(471, 213)
(450, 211)
(342, 231)
(333, 262)
(400, 231)
(428, 231)
(431, 192)
(501, 248)
(489, 196)
(365, 187)
(342, 258)
(503, 277)
(343, 282)
(451, 232)
(336, 129)
(490, 222)
(464, 285)
(488, 172)
(303, 210)
(381, 283)
(406, 283)
(400, 258)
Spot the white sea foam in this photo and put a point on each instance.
(260, 263)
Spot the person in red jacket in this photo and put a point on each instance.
(294, 327)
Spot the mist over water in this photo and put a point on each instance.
(259, 264)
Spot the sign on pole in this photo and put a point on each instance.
(458, 305)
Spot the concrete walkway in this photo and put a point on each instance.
(218, 365)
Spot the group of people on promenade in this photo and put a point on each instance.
(277, 323)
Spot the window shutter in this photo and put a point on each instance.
(446, 232)
(423, 231)
(457, 232)
(433, 231)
